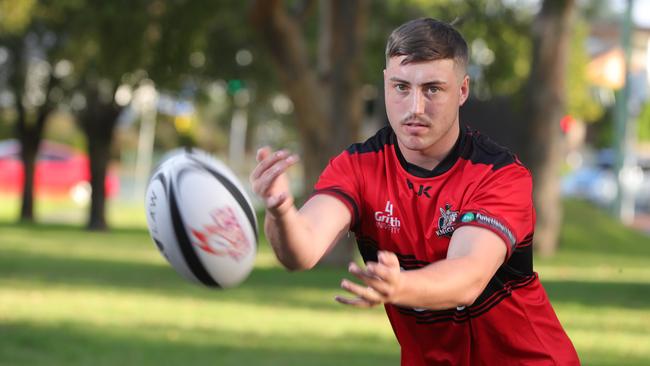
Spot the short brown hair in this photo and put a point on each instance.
(427, 39)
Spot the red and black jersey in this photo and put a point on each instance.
(413, 212)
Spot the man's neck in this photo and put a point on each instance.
(432, 156)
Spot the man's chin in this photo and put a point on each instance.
(414, 143)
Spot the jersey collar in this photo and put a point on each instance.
(441, 168)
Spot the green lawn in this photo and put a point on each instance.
(69, 297)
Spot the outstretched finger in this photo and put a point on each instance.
(266, 159)
(388, 258)
(266, 179)
(262, 153)
(379, 270)
(359, 272)
(365, 292)
(356, 302)
(372, 279)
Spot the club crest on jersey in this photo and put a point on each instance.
(385, 219)
(446, 221)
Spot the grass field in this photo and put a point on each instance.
(70, 297)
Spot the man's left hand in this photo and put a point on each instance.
(381, 279)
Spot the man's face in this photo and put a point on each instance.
(422, 102)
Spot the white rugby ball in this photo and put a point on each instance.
(201, 219)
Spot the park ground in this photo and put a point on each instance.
(72, 297)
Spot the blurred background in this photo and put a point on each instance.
(93, 93)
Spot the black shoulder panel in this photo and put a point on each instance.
(483, 150)
(376, 143)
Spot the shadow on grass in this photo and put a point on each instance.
(70, 228)
(600, 294)
(79, 344)
(273, 286)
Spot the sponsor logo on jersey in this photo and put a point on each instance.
(386, 220)
(468, 217)
(446, 221)
(490, 222)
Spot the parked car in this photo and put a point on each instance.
(596, 181)
(60, 170)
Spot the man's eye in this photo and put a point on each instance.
(400, 87)
(433, 89)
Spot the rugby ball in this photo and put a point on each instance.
(201, 219)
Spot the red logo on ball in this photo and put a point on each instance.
(223, 236)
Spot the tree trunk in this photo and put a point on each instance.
(28, 150)
(29, 129)
(98, 122)
(344, 27)
(327, 98)
(30, 136)
(546, 106)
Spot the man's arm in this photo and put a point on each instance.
(473, 257)
(299, 238)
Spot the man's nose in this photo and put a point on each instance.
(418, 103)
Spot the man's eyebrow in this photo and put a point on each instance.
(434, 83)
(428, 83)
(398, 80)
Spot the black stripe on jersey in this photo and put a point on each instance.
(520, 263)
(442, 167)
(411, 263)
(345, 196)
(528, 240)
(471, 145)
(515, 273)
(368, 248)
(376, 143)
(483, 150)
(430, 316)
(463, 314)
(497, 296)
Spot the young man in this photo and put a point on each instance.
(442, 215)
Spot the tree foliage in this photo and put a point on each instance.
(580, 101)
(15, 15)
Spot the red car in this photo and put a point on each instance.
(59, 170)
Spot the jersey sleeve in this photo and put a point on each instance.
(340, 179)
(503, 204)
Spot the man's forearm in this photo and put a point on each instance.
(475, 254)
(289, 235)
(441, 285)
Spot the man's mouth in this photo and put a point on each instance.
(415, 124)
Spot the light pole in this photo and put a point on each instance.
(625, 167)
(145, 99)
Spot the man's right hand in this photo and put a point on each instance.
(269, 179)
(299, 238)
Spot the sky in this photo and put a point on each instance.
(640, 11)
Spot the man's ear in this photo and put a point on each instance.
(464, 90)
